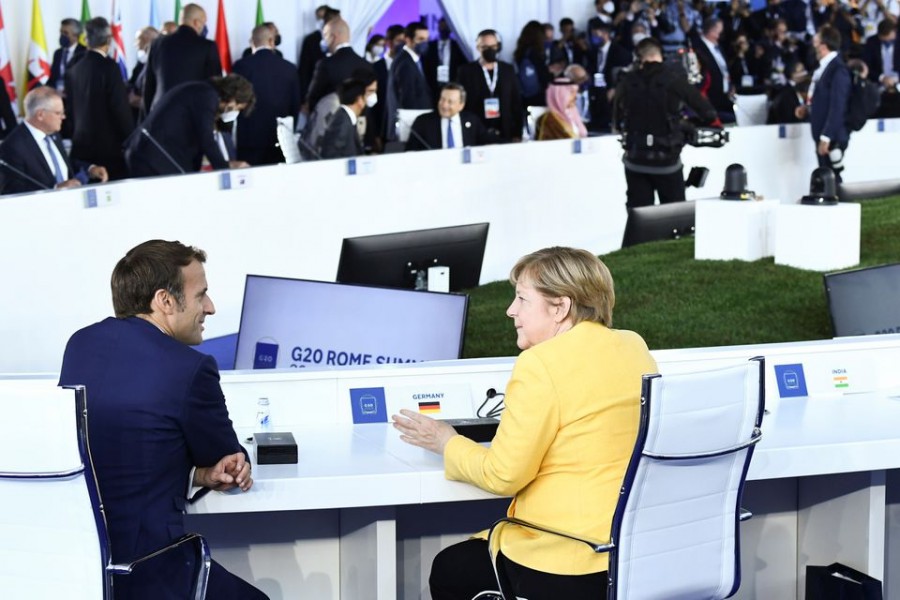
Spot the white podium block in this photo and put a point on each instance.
(733, 229)
(817, 238)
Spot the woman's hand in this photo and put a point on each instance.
(423, 431)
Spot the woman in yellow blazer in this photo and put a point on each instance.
(565, 437)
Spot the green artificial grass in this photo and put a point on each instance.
(674, 301)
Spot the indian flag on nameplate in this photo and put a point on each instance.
(842, 381)
(430, 407)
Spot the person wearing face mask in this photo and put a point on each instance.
(375, 48)
(276, 40)
(179, 131)
(637, 23)
(605, 60)
(342, 137)
(69, 53)
(311, 48)
(442, 59)
(338, 66)
(98, 103)
(277, 89)
(492, 89)
(564, 440)
(408, 83)
(185, 55)
(531, 64)
(142, 42)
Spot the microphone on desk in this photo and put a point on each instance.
(415, 133)
(24, 175)
(147, 135)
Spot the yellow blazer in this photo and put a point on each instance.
(564, 441)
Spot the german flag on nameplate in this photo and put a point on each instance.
(429, 408)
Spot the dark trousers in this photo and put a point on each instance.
(173, 582)
(641, 187)
(463, 570)
(836, 165)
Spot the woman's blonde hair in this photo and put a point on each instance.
(576, 274)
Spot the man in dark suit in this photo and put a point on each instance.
(142, 42)
(99, 104)
(605, 59)
(34, 156)
(276, 40)
(178, 132)
(311, 49)
(716, 85)
(449, 126)
(407, 77)
(882, 56)
(341, 139)
(381, 128)
(829, 94)
(159, 424)
(492, 89)
(442, 59)
(185, 55)
(277, 92)
(338, 66)
(68, 53)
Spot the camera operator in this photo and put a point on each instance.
(648, 110)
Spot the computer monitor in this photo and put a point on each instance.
(659, 222)
(315, 324)
(394, 259)
(864, 301)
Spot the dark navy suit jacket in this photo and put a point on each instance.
(428, 127)
(277, 90)
(829, 103)
(21, 151)
(408, 83)
(155, 411)
(177, 58)
(341, 139)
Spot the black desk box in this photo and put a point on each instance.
(476, 429)
(275, 448)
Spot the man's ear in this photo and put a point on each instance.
(164, 302)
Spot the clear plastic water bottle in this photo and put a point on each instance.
(263, 418)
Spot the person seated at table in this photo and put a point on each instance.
(561, 121)
(564, 440)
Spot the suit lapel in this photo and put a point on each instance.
(37, 157)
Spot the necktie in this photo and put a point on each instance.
(450, 143)
(57, 172)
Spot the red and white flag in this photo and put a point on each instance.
(222, 40)
(6, 71)
(118, 46)
(38, 63)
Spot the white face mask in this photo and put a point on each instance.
(229, 116)
(609, 7)
(371, 100)
(142, 56)
(320, 23)
(378, 51)
(638, 38)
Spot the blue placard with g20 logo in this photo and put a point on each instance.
(266, 355)
(368, 405)
(791, 381)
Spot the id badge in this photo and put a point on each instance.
(491, 108)
(746, 81)
(443, 74)
(599, 80)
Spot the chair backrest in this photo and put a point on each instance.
(48, 526)
(675, 530)
(751, 109)
(533, 113)
(405, 118)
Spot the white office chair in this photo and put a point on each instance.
(751, 109)
(675, 529)
(533, 113)
(405, 119)
(52, 524)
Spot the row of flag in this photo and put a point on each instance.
(38, 62)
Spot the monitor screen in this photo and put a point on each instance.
(659, 222)
(864, 301)
(396, 259)
(313, 324)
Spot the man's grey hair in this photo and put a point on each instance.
(39, 98)
(99, 33)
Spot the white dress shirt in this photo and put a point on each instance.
(39, 137)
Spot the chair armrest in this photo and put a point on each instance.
(746, 515)
(202, 568)
(595, 546)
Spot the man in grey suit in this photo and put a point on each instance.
(342, 138)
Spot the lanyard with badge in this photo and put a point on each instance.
(443, 69)
(491, 105)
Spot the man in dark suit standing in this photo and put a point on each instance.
(159, 424)
(407, 77)
(449, 126)
(99, 104)
(717, 85)
(142, 42)
(338, 66)
(828, 94)
(185, 55)
(311, 51)
(342, 139)
(882, 56)
(277, 92)
(34, 156)
(442, 60)
(605, 59)
(68, 53)
(178, 132)
(492, 89)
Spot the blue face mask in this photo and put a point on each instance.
(323, 45)
(205, 32)
(421, 48)
(64, 41)
(596, 40)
